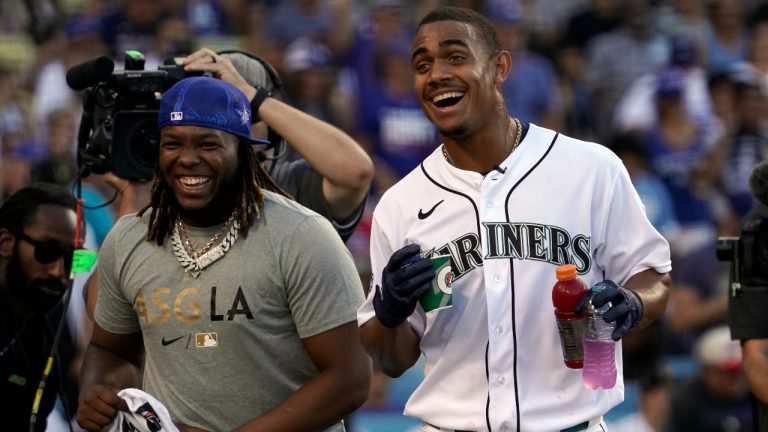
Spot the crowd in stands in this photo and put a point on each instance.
(677, 88)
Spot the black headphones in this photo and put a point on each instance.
(277, 142)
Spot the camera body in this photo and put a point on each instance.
(118, 130)
(747, 253)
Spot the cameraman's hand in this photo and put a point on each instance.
(626, 306)
(133, 194)
(404, 281)
(205, 60)
(98, 408)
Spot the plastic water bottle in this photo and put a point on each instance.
(599, 348)
(566, 292)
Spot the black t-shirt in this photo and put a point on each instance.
(22, 362)
(305, 184)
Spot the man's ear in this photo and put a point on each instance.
(7, 240)
(503, 64)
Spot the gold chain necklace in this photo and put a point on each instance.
(518, 136)
(193, 261)
(209, 243)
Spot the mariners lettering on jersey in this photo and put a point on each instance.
(521, 241)
(186, 306)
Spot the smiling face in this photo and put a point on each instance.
(456, 80)
(200, 166)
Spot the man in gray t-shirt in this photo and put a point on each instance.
(243, 300)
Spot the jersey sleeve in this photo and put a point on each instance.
(629, 244)
(322, 284)
(114, 312)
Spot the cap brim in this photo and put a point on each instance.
(257, 141)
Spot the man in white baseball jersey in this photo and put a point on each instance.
(509, 202)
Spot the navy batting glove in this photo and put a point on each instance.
(404, 281)
(626, 306)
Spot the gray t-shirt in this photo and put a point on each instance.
(305, 184)
(226, 347)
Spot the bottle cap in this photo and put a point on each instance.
(565, 272)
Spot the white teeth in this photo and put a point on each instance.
(193, 181)
(453, 94)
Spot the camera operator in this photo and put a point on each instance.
(37, 232)
(748, 307)
(337, 174)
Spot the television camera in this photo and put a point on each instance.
(118, 128)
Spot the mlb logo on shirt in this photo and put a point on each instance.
(177, 115)
(205, 340)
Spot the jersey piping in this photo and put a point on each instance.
(512, 279)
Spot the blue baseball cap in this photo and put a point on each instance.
(207, 102)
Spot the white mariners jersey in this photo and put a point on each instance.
(493, 359)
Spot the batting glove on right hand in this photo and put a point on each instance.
(404, 281)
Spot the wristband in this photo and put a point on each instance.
(258, 99)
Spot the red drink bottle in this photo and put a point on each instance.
(565, 294)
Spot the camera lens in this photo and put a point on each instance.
(145, 142)
(136, 144)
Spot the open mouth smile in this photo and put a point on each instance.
(448, 99)
(193, 183)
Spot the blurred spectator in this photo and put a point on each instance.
(652, 412)
(717, 397)
(14, 166)
(394, 127)
(530, 90)
(755, 67)
(573, 93)
(545, 18)
(386, 25)
(600, 16)
(722, 92)
(132, 25)
(46, 77)
(325, 20)
(685, 18)
(727, 41)
(749, 145)
(204, 17)
(172, 38)
(688, 162)
(310, 79)
(60, 167)
(697, 298)
(637, 107)
(652, 190)
(616, 59)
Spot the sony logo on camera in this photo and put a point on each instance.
(748, 253)
(118, 129)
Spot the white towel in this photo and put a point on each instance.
(146, 414)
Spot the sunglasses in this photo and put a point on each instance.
(47, 252)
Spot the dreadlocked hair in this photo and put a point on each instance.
(250, 197)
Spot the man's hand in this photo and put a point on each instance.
(205, 60)
(626, 307)
(98, 408)
(404, 281)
